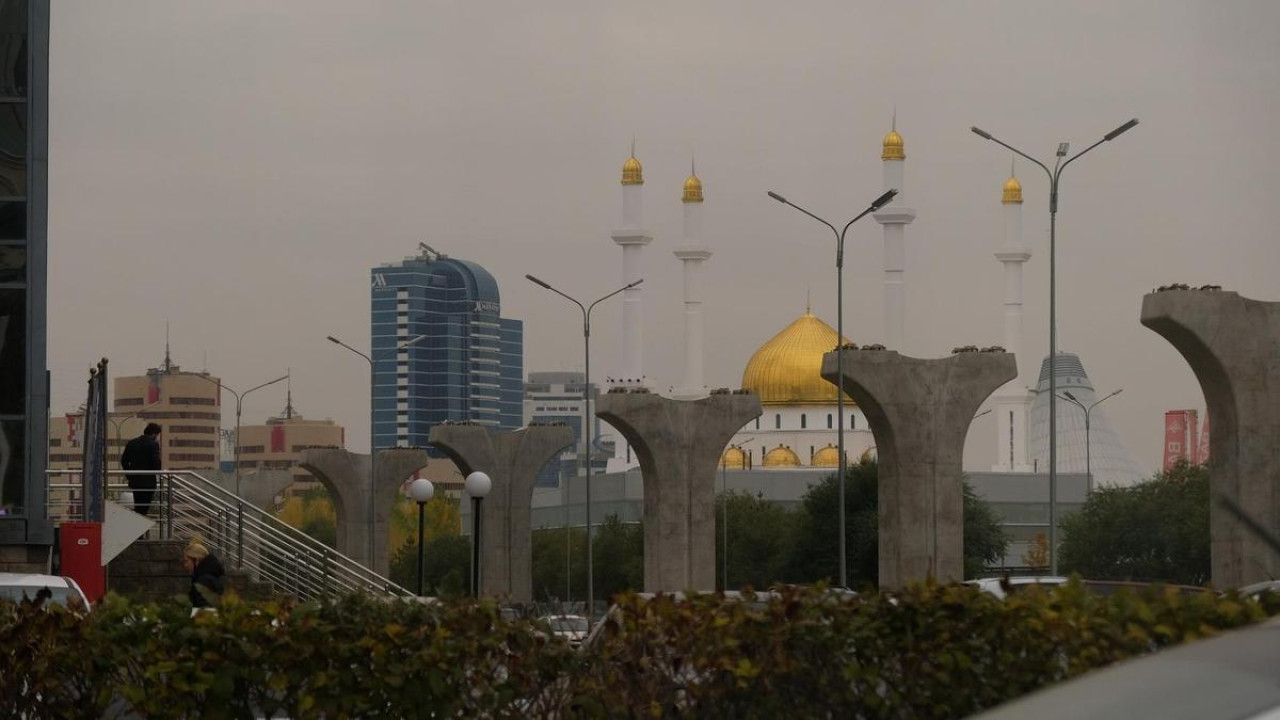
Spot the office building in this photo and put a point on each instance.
(186, 405)
(556, 397)
(469, 364)
(278, 444)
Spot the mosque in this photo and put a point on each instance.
(798, 429)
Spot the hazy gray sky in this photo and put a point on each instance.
(237, 167)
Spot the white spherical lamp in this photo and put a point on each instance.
(421, 490)
(478, 484)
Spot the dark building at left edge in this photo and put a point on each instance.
(25, 532)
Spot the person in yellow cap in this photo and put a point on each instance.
(207, 575)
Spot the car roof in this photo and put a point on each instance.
(32, 580)
(1230, 676)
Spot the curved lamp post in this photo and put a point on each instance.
(1055, 177)
(875, 205)
(373, 439)
(478, 486)
(1088, 447)
(586, 413)
(421, 491)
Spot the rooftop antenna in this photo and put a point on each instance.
(168, 363)
(288, 403)
(430, 253)
(894, 125)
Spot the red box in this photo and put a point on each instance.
(81, 546)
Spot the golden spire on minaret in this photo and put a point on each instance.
(1012, 189)
(892, 149)
(632, 172)
(692, 186)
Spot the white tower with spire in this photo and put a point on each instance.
(895, 217)
(1013, 400)
(692, 254)
(632, 237)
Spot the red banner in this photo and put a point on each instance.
(277, 439)
(1202, 452)
(1175, 437)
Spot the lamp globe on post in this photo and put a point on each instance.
(421, 490)
(478, 486)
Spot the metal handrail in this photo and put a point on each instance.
(274, 551)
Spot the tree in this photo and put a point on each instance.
(816, 554)
(446, 566)
(549, 563)
(1157, 530)
(1037, 556)
(313, 514)
(761, 540)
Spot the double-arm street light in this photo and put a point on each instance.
(236, 455)
(117, 422)
(1055, 177)
(875, 205)
(1088, 447)
(373, 438)
(586, 412)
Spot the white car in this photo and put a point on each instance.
(62, 590)
(570, 628)
(994, 586)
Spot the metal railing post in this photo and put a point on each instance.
(239, 533)
(168, 506)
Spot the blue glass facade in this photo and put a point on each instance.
(469, 364)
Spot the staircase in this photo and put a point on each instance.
(150, 571)
(272, 556)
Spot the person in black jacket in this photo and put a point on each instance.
(142, 453)
(207, 575)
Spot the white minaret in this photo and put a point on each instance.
(691, 254)
(1013, 400)
(895, 217)
(632, 237)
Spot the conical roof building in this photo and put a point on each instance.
(1111, 461)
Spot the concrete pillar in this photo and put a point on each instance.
(678, 444)
(1232, 344)
(512, 460)
(346, 476)
(919, 411)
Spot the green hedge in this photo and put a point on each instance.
(930, 652)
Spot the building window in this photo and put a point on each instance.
(777, 421)
(853, 422)
(828, 421)
(804, 421)
(757, 423)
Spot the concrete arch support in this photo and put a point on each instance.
(512, 460)
(678, 443)
(919, 411)
(346, 476)
(1232, 344)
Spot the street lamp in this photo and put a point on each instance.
(586, 413)
(117, 422)
(1088, 448)
(236, 455)
(373, 438)
(1055, 177)
(478, 485)
(239, 405)
(875, 205)
(421, 491)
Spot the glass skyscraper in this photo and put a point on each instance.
(469, 364)
(24, 401)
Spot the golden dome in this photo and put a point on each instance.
(734, 458)
(788, 369)
(781, 456)
(1012, 191)
(632, 172)
(828, 456)
(692, 189)
(893, 149)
